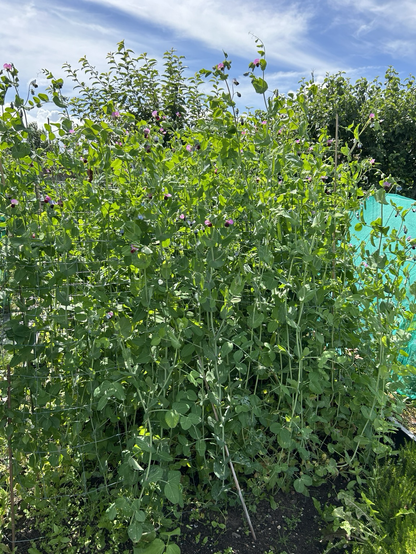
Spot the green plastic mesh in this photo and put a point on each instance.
(399, 214)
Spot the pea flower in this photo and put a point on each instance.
(178, 114)
(71, 131)
(133, 249)
(220, 66)
(208, 223)
(13, 202)
(264, 122)
(47, 199)
(229, 222)
(167, 195)
(371, 116)
(189, 147)
(372, 161)
(109, 315)
(256, 62)
(7, 66)
(154, 113)
(146, 132)
(115, 114)
(182, 216)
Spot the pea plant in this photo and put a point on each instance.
(178, 304)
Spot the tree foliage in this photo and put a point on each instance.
(389, 139)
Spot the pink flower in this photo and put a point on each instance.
(208, 223)
(7, 66)
(220, 66)
(162, 130)
(71, 131)
(189, 147)
(178, 114)
(109, 315)
(264, 122)
(47, 199)
(371, 116)
(115, 114)
(372, 161)
(146, 132)
(256, 62)
(167, 195)
(182, 216)
(154, 113)
(13, 202)
(229, 222)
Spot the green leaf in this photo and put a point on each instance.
(172, 492)
(155, 547)
(172, 418)
(172, 549)
(135, 465)
(135, 531)
(259, 84)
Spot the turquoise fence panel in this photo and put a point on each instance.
(399, 214)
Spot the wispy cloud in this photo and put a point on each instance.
(282, 26)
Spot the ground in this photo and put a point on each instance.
(286, 524)
(291, 526)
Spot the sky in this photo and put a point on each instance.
(360, 37)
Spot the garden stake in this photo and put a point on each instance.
(11, 484)
(237, 485)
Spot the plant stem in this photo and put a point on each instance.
(9, 443)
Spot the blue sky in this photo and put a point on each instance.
(360, 37)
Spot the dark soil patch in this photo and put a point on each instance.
(292, 526)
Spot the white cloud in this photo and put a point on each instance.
(282, 26)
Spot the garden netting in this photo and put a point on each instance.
(395, 216)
